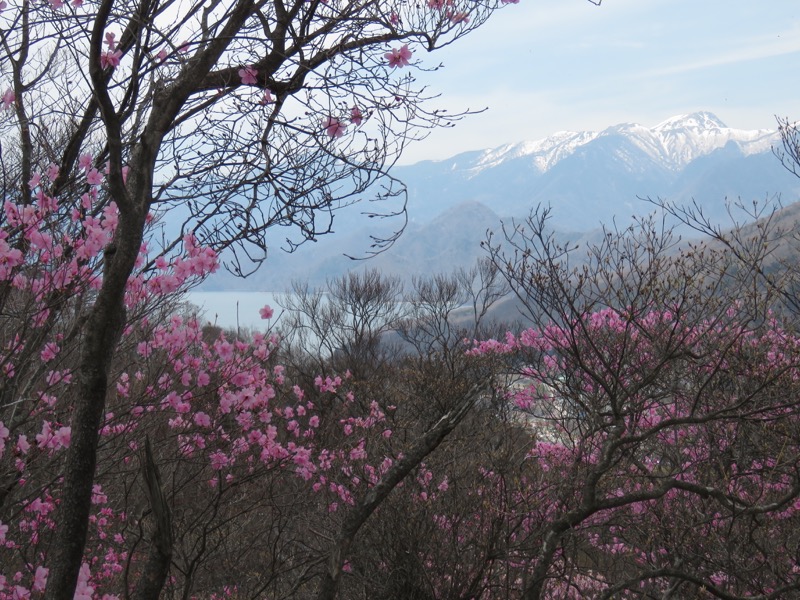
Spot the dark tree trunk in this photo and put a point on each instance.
(101, 334)
(155, 571)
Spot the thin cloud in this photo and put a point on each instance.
(786, 43)
(566, 65)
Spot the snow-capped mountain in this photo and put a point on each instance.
(588, 178)
(543, 153)
(680, 140)
(674, 143)
(592, 177)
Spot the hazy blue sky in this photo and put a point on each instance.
(542, 66)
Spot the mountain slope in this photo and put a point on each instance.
(587, 178)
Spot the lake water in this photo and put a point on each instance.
(233, 309)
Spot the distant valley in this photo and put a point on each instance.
(588, 178)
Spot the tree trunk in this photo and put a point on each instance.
(101, 334)
(156, 569)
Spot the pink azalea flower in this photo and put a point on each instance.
(56, 4)
(110, 42)
(40, 579)
(201, 419)
(49, 351)
(63, 436)
(459, 17)
(3, 5)
(267, 99)
(84, 591)
(98, 496)
(248, 75)
(355, 116)
(77, 3)
(266, 312)
(162, 55)
(52, 172)
(9, 97)
(93, 177)
(394, 18)
(110, 59)
(43, 438)
(224, 350)
(219, 460)
(85, 162)
(399, 57)
(334, 127)
(21, 593)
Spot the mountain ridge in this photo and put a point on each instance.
(590, 179)
(676, 141)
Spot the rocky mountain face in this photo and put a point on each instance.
(587, 178)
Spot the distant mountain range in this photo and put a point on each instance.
(588, 178)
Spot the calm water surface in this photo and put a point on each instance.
(233, 309)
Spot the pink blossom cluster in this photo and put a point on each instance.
(226, 403)
(601, 384)
(52, 252)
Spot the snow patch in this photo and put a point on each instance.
(674, 142)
